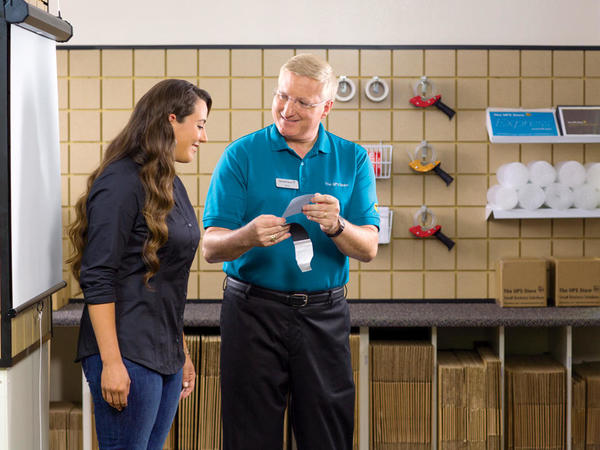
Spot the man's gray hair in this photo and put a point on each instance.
(308, 65)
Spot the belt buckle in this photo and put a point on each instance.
(302, 297)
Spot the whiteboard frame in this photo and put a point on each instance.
(35, 200)
(36, 287)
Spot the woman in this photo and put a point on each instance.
(135, 236)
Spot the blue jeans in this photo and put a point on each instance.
(151, 406)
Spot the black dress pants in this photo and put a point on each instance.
(269, 349)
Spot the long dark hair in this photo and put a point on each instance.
(148, 139)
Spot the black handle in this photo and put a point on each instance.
(444, 239)
(443, 175)
(444, 108)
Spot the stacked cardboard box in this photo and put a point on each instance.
(209, 412)
(75, 438)
(535, 403)
(452, 402)
(65, 426)
(400, 401)
(493, 396)
(468, 398)
(199, 419)
(188, 408)
(590, 373)
(59, 424)
(476, 403)
(578, 413)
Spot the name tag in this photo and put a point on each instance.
(286, 184)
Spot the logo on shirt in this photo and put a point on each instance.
(335, 184)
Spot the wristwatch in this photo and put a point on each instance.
(341, 225)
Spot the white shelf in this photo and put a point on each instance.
(544, 139)
(542, 213)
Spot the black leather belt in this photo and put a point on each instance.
(296, 299)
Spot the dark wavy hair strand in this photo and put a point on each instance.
(148, 139)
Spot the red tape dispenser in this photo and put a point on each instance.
(424, 97)
(424, 227)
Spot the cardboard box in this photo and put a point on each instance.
(522, 282)
(575, 281)
(75, 430)
(58, 424)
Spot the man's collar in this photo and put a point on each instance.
(278, 142)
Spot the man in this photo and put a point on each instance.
(284, 319)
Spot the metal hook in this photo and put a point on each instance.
(421, 215)
(423, 84)
(422, 152)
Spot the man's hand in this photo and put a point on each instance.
(324, 210)
(266, 230)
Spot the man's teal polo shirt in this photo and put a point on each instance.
(244, 186)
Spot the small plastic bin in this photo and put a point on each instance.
(381, 158)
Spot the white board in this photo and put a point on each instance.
(36, 219)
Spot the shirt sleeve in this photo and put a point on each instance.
(362, 207)
(112, 207)
(225, 204)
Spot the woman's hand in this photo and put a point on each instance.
(189, 378)
(115, 384)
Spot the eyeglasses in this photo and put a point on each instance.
(284, 98)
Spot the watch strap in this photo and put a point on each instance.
(341, 225)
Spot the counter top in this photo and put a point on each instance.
(388, 313)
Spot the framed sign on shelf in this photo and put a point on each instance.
(523, 125)
(579, 120)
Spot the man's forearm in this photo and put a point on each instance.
(222, 244)
(358, 242)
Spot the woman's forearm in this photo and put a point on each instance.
(105, 329)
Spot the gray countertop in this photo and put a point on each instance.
(401, 314)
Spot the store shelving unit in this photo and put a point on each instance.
(541, 213)
(565, 333)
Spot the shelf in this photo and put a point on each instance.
(542, 213)
(544, 139)
(389, 313)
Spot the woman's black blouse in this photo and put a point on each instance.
(149, 319)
